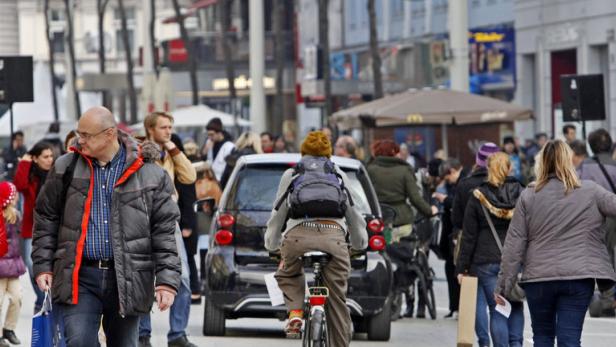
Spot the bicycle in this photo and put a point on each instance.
(314, 331)
(412, 269)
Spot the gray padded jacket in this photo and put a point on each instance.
(142, 229)
(558, 236)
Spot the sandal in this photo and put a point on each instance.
(294, 328)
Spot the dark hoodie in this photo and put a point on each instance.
(478, 244)
(394, 183)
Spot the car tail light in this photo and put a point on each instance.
(376, 226)
(317, 300)
(226, 220)
(377, 243)
(223, 237)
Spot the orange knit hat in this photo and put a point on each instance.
(316, 144)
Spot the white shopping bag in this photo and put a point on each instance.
(275, 294)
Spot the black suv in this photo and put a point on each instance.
(237, 259)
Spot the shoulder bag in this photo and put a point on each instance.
(516, 293)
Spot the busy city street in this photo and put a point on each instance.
(249, 332)
(321, 173)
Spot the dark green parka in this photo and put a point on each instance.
(394, 182)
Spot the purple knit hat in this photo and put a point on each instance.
(484, 152)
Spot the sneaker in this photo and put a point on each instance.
(10, 336)
(4, 343)
(293, 329)
(181, 341)
(144, 341)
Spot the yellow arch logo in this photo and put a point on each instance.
(414, 118)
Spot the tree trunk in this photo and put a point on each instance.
(280, 45)
(152, 27)
(225, 25)
(192, 60)
(101, 6)
(324, 44)
(52, 63)
(129, 64)
(377, 78)
(71, 54)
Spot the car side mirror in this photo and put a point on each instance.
(205, 205)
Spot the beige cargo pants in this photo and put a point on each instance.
(290, 276)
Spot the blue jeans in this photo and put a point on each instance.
(557, 309)
(98, 296)
(26, 254)
(180, 310)
(504, 331)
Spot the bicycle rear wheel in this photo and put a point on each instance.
(318, 327)
(307, 333)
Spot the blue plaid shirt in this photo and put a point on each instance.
(98, 238)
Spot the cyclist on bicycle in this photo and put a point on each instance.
(310, 226)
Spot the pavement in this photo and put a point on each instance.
(598, 332)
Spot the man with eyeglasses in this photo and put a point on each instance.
(104, 243)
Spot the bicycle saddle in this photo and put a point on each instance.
(316, 257)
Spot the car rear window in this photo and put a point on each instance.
(256, 186)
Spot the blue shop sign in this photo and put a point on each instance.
(492, 58)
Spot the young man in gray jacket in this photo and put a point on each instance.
(315, 234)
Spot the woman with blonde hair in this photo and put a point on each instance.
(248, 143)
(486, 220)
(557, 240)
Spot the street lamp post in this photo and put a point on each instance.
(257, 66)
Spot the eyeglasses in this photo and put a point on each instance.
(88, 137)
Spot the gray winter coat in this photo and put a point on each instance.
(558, 236)
(142, 229)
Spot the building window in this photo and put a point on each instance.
(130, 13)
(120, 40)
(57, 41)
(57, 15)
(397, 9)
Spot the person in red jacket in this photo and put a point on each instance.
(29, 177)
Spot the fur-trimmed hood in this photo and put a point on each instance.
(499, 201)
(150, 151)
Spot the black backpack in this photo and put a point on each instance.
(317, 190)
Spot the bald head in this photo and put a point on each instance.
(98, 116)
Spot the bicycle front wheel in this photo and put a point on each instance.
(430, 301)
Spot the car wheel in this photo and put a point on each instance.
(213, 319)
(360, 326)
(379, 325)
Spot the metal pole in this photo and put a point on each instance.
(11, 116)
(445, 140)
(458, 37)
(257, 66)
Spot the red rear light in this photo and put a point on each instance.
(376, 226)
(223, 237)
(317, 300)
(226, 221)
(377, 243)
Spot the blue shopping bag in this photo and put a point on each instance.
(48, 326)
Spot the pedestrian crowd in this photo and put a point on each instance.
(104, 222)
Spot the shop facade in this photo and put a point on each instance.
(555, 38)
